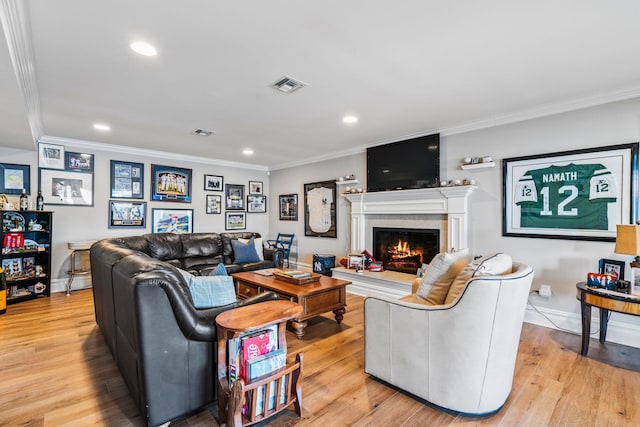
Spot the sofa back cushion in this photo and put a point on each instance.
(201, 249)
(164, 246)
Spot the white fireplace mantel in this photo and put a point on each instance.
(449, 201)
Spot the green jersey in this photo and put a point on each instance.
(570, 196)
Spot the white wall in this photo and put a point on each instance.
(78, 223)
(559, 263)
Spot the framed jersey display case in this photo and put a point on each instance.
(580, 194)
(320, 209)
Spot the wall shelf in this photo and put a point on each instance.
(470, 166)
(351, 181)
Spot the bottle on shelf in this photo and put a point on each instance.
(24, 200)
(40, 201)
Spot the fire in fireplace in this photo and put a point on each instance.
(405, 249)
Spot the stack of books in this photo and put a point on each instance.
(256, 355)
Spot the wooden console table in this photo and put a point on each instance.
(255, 317)
(606, 302)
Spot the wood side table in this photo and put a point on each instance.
(619, 302)
(236, 322)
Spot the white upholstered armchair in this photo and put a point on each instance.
(459, 356)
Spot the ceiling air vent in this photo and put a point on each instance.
(203, 132)
(288, 84)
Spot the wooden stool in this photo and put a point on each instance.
(77, 248)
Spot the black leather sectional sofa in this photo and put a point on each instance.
(164, 347)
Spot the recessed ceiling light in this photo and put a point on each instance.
(102, 127)
(143, 48)
(247, 152)
(349, 119)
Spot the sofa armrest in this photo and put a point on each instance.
(274, 254)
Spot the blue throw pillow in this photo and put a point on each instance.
(220, 270)
(244, 252)
(212, 291)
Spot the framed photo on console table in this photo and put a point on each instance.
(170, 184)
(612, 267)
(320, 209)
(580, 194)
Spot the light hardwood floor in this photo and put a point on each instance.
(55, 370)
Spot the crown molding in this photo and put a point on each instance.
(133, 151)
(17, 31)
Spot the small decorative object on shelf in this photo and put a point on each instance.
(24, 200)
(477, 162)
(40, 202)
(347, 180)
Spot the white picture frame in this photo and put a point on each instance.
(51, 156)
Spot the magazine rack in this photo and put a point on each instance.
(231, 398)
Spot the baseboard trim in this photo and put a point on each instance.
(618, 332)
(60, 285)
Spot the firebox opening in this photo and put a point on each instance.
(405, 249)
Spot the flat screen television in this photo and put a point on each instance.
(414, 163)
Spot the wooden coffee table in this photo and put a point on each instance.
(316, 298)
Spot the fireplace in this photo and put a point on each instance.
(405, 249)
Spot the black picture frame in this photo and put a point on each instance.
(612, 266)
(214, 204)
(288, 207)
(127, 180)
(320, 204)
(576, 195)
(13, 178)
(61, 187)
(235, 221)
(78, 162)
(234, 197)
(213, 183)
(127, 214)
(170, 184)
(256, 203)
(256, 187)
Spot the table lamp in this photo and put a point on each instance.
(628, 241)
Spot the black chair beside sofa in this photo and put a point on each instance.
(164, 347)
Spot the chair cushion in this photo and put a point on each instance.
(257, 241)
(489, 265)
(244, 252)
(438, 276)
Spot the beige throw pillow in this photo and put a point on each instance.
(489, 265)
(438, 276)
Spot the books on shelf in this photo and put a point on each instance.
(266, 364)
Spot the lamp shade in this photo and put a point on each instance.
(628, 239)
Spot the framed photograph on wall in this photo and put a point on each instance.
(234, 197)
(170, 184)
(256, 203)
(213, 183)
(320, 209)
(50, 156)
(79, 162)
(123, 214)
(580, 194)
(66, 188)
(127, 180)
(288, 207)
(235, 221)
(255, 187)
(612, 267)
(214, 204)
(172, 220)
(13, 178)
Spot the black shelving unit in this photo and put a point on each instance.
(26, 254)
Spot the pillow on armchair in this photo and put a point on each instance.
(489, 265)
(441, 271)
